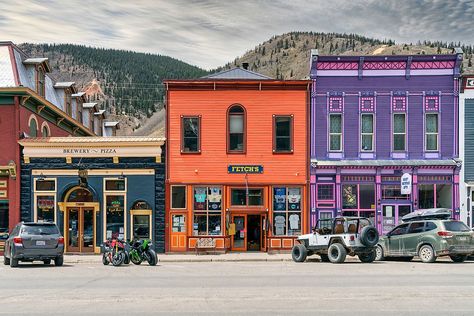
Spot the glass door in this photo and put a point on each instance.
(87, 230)
(239, 239)
(80, 230)
(392, 216)
(72, 230)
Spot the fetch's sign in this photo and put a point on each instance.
(244, 169)
(405, 184)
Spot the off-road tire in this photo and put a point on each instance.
(369, 236)
(367, 257)
(458, 258)
(337, 253)
(6, 261)
(427, 254)
(58, 261)
(299, 253)
(324, 258)
(47, 261)
(379, 253)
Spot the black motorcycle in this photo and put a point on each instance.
(141, 250)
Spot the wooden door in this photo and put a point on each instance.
(73, 229)
(178, 232)
(80, 230)
(239, 240)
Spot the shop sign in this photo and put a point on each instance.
(405, 183)
(245, 169)
(470, 83)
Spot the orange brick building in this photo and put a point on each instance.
(236, 172)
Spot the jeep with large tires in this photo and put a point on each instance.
(335, 238)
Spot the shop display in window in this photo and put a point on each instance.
(294, 199)
(115, 216)
(45, 208)
(200, 198)
(349, 196)
(279, 199)
(141, 226)
(280, 224)
(178, 224)
(214, 198)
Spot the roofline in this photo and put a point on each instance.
(97, 141)
(213, 76)
(417, 57)
(21, 91)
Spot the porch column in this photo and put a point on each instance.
(338, 192)
(414, 189)
(378, 197)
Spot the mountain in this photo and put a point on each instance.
(286, 56)
(123, 82)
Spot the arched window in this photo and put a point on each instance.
(33, 125)
(45, 130)
(236, 129)
(80, 195)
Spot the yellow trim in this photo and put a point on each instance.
(141, 212)
(158, 159)
(96, 172)
(3, 184)
(116, 159)
(68, 159)
(26, 159)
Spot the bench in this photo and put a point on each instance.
(205, 244)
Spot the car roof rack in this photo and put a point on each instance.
(428, 214)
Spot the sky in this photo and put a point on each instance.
(211, 33)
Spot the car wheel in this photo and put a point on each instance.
(299, 253)
(458, 258)
(337, 253)
(379, 253)
(6, 261)
(13, 261)
(369, 236)
(58, 261)
(427, 254)
(47, 261)
(324, 258)
(368, 257)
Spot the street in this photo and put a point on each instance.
(271, 288)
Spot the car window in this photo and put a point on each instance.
(430, 226)
(416, 228)
(399, 230)
(456, 226)
(39, 230)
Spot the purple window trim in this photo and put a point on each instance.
(329, 150)
(367, 108)
(392, 135)
(374, 127)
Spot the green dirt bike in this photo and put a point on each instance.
(141, 250)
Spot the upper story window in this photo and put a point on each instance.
(236, 129)
(335, 132)
(367, 132)
(191, 132)
(178, 197)
(40, 81)
(33, 125)
(399, 132)
(45, 130)
(282, 134)
(431, 132)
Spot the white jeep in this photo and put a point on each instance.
(335, 238)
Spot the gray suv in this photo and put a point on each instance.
(34, 241)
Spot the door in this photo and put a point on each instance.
(392, 216)
(178, 232)
(80, 230)
(239, 239)
(396, 246)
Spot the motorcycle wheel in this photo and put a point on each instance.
(118, 259)
(135, 258)
(105, 260)
(151, 257)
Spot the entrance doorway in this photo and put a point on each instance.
(392, 215)
(80, 228)
(178, 232)
(250, 232)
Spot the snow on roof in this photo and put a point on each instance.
(35, 61)
(63, 85)
(110, 124)
(79, 94)
(100, 112)
(89, 105)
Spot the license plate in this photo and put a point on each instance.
(40, 243)
(462, 238)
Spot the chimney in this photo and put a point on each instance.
(245, 66)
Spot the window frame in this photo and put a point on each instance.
(208, 212)
(287, 210)
(247, 197)
(291, 128)
(198, 151)
(33, 118)
(396, 133)
(45, 193)
(244, 138)
(185, 197)
(431, 133)
(336, 134)
(362, 134)
(136, 212)
(45, 126)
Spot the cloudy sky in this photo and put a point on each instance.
(210, 33)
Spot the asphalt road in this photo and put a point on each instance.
(231, 288)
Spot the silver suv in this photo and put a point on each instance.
(333, 239)
(34, 241)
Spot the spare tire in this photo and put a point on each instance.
(369, 236)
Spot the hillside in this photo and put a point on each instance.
(123, 82)
(287, 56)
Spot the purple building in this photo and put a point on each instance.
(376, 120)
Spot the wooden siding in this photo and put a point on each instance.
(469, 140)
(210, 166)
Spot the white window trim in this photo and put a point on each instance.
(44, 193)
(335, 134)
(426, 133)
(115, 193)
(365, 134)
(393, 133)
(45, 124)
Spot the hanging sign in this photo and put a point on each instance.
(244, 169)
(405, 184)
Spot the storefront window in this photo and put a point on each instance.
(349, 196)
(45, 208)
(244, 197)
(444, 196)
(325, 192)
(426, 196)
(115, 185)
(393, 192)
(178, 197)
(287, 211)
(367, 196)
(141, 226)
(207, 211)
(81, 195)
(115, 216)
(3, 216)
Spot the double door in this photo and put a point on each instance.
(250, 232)
(80, 230)
(392, 215)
